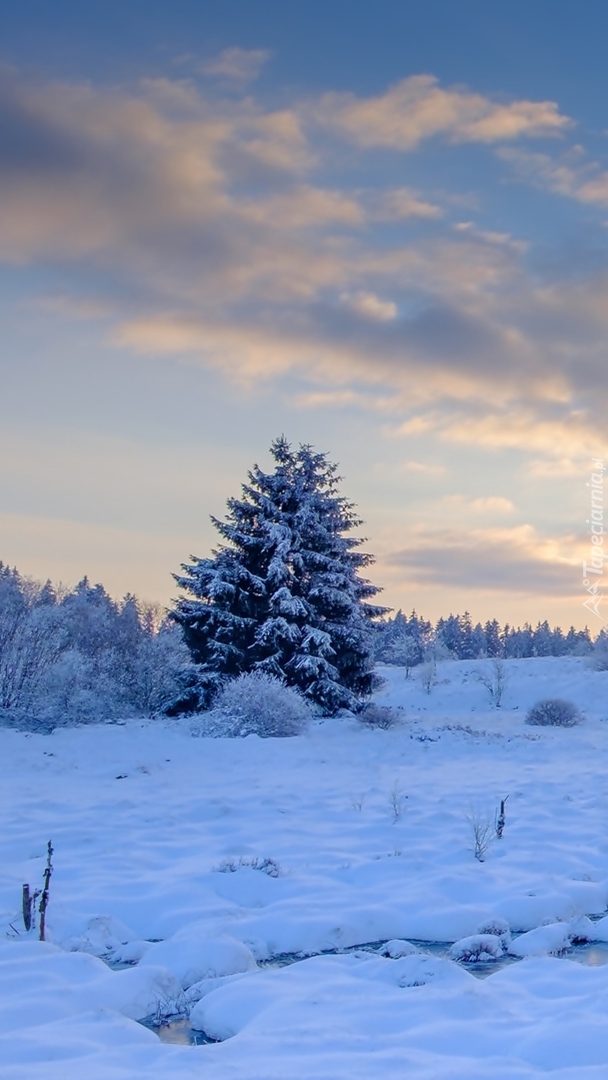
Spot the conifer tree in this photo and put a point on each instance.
(494, 645)
(282, 594)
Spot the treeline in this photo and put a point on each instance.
(409, 641)
(78, 656)
(75, 655)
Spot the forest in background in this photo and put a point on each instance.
(75, 655)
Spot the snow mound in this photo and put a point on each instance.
(141, 992)
(477, 949)
(398, 948)
(544, 941)
(226, 1011)
(42, 985)
(192, 957)
(101, 936)
(131, 952)
(582, 930)
(600, 929)
(421, 970)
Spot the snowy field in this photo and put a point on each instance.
(184, 867)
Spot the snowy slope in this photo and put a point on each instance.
(156, 835)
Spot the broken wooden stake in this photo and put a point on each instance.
(44, 899)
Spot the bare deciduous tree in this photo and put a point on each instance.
(495, 681)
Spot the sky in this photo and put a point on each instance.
(380, 228)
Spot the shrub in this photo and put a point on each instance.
(498, 927)
(553, 712)
(267, 866)
(483, 834)
(477, 949)
(378, 716)
(257, 704)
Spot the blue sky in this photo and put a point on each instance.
(381, 228)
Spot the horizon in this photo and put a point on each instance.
(389, 615)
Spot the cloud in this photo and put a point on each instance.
(571, 175)
(239, 237)
(404, 203)
(523, 430)
(516, 560)
(417, 108)
(237, 65)
(302, 207)
(209, 230)
(334, 345)
(424, 467)
(556, 468)
(490, 237)
(371, 306)
(489, 504)
(555, 446)
(85, 170)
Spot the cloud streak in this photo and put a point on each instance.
(493, 560)
(571, 175)
(237, 65)
(418, 108)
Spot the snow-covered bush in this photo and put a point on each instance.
(379, 716)
(257, 704)
(162, 670)
(396, 948)
(477, 949)
(553, 712)
(78, 656)
(497, 926)
(267, 866)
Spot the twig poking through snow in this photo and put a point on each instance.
(26, 906)
(44, 899)
(396, 801)
(501, 818)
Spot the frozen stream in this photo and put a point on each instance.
(180, 1032)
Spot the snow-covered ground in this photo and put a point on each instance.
(160, 840)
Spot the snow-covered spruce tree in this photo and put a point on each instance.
(283, 593)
